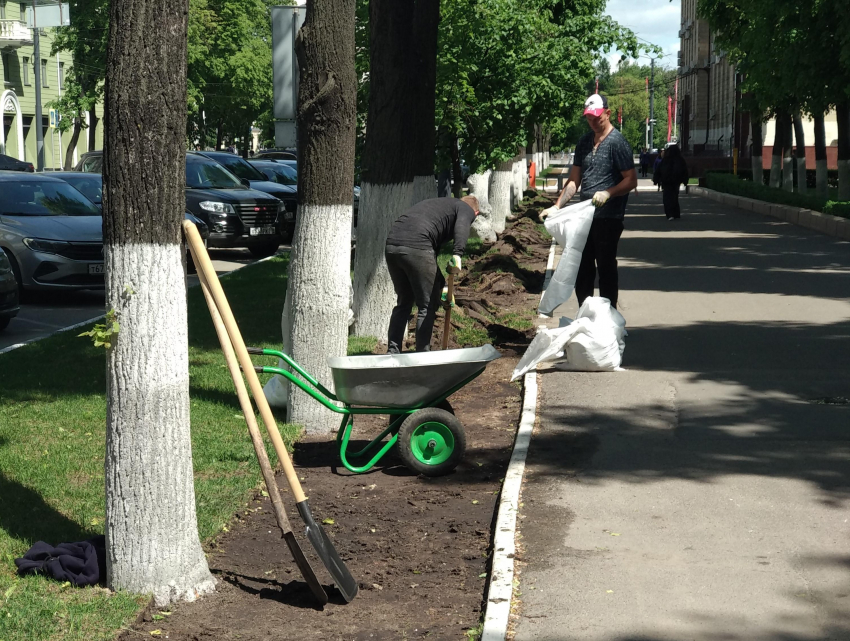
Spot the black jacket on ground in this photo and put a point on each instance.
(81, 563)
(431, 223)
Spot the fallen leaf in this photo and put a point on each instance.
(610, 591)
(377, 587)
(155, 633)
(8, 592)
(482, 575)
(475, 502)
(417, 572)
(157, 617)
(67, 584)
(615, 534)
(328, 521)
(165, 613)
(264, 493)
(268, 572)
(414, 585)
(373, 529)
(224, 527)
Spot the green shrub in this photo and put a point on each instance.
(837, 208)
(730, 184)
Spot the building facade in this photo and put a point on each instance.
(711, 125)
(17, 97)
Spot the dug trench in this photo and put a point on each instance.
(418, 547)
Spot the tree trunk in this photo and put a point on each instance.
(457, 168)
(776, 158)
(426, 18)
(72, 145)
(800, 152)
(757, 158)
(151, 528)
(319, 268)
(219, 135)
(500, 194)
(482, 227)
(387, 185)
(787, 157)
(93, 120)
(822, 178)
(843, 115)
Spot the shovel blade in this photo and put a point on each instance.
(316, 534)
(305, 568)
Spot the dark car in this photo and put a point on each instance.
(276, 154)
(9, 306)
(258, 180)
(236, 215)
(7, 163)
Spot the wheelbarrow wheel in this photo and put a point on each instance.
(431, 441)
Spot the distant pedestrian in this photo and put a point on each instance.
(672, 172)
(656, 164)
(644, 162)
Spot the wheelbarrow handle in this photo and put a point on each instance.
(255, 350)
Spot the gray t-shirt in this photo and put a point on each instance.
(603, 169)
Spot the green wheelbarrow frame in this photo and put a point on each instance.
(324, 396)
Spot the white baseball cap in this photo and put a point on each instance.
(595, 105)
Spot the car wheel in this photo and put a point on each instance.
(16, 271)
(4, 323)
(266, 249)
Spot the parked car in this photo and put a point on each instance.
(7, 163)
(91, 161)
(9, 306)
(276, 154)
(242, 169)
(91, 186)
(236, 215)
(50, 232)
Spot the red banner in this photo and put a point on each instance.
(669, 117)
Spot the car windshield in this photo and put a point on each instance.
(93, 163)
(283, 174)
(206, 174)
(89, 186)
(43, 198)
(239, 167)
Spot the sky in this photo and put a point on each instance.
(656, 21)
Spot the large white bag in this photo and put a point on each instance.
(569, 227)
(594, 342)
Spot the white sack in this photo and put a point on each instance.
(594, 342)
(569, 227)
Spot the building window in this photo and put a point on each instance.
(61, 75)
(44, 74)
(26, 72)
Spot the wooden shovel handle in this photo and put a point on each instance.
(247, 410)
(205, 268)
(447, 306)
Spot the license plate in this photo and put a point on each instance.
(96, 268)
(261, 231)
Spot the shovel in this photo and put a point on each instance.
(451, 270)
(345, 583)
(260, 449)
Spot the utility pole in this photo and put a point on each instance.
(652, 105)
(39, 119)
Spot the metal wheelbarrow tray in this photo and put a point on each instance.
(411, 387)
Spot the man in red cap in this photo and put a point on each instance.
(604, 167)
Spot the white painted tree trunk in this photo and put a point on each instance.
(424, 188)
(151, 527)
(318, 290)
(822, 178)
(788, 173)
(374, 296)
(546, 161)
(501, 182)
(776, 171)
(844, 180)
(758, 169)
(482, 227)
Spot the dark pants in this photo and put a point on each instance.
(416, 279)
(643, 169)
(600, 253)
(671, 202)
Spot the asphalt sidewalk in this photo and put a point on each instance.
(702, 494)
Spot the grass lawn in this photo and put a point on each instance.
(52, 441)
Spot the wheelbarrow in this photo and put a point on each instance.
(413, 389)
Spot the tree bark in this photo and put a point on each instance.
(776, 158)
(72, 146)
(800, 152)
(822, 178)
(219, 135)
(843, 114)
(151, 527)
(387, 183)
(482, 227)
(757, 157)
(787, 158)
(426, 19)
(457, 168)
(501, 182)
(93, 120)
(319, 269)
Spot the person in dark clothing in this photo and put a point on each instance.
(604, 167)
(672, 172)
(411, 253)
(644, 162)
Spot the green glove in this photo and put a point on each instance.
(445, 295)
(455, 261)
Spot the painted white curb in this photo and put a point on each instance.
(504, 542)
(12, 348)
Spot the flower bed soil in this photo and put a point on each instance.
(419, 547)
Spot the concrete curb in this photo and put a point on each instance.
(12, 348)
(834, 226)
(500, 594)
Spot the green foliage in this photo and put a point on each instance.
(504, 65)
(103, 334)
(837, 208)
(731, 184)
